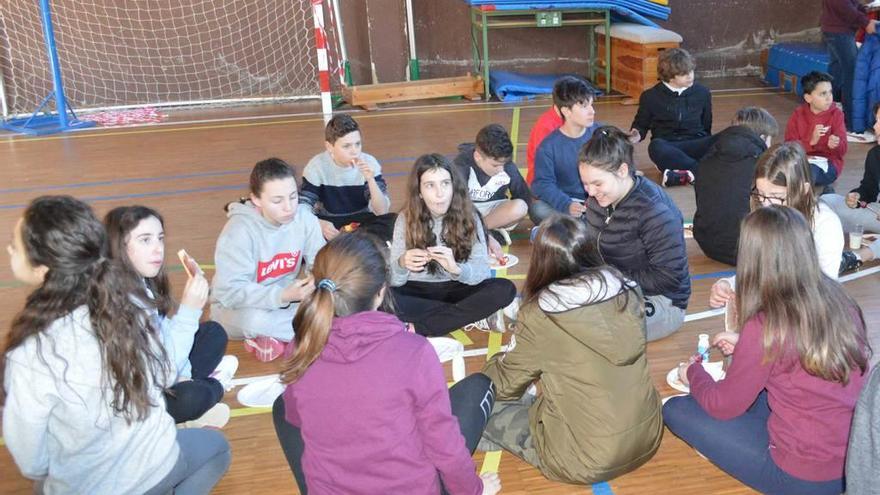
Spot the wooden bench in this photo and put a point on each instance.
(368, 96)
(635, 50)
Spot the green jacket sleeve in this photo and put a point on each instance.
(512, 372)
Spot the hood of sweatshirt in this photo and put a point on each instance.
(247, 211)
(355, 336)
(737, 143)
(591, 315)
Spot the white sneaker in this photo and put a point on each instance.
(225, 371)
(481, 325)
(858, 137)
(495, 321)
(216, 418)
(511, 310)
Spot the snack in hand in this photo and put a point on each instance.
(189, 264)
(351, 227)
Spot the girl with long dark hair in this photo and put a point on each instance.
(137, 239)
(83, 370)
(440, 273)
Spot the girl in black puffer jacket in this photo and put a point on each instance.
(638, 228)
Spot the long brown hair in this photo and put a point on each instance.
(564, 253)
(778, 275)
(63, 234)
(356, 269)
(119, 223)
(459, 225)
(786, 165)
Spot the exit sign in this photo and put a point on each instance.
(549, 19)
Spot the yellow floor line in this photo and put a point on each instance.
(462, 337)
(494, 344)
(249, 411)
(491, 461)
(514, 131)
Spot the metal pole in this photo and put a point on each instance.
(3, 104)
(54, 66)
(413, 58)
(345, 77)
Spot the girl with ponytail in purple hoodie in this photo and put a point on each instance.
(367, 409)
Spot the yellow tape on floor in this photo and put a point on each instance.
(494, 344)
(491, 461)
(249, 411)
(514, 131)
(462, 337)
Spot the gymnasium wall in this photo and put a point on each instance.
(726, 36)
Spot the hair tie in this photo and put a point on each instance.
(328, 284)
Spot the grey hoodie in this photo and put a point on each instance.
(255, 261)
(59, 424)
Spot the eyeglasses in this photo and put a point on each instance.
(766, 200)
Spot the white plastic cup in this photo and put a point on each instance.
(855, 237)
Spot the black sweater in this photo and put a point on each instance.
(643, 238)
(724, 182)
(869, 188)
(674, 117)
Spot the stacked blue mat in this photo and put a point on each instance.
(511, 86)
(636, 11)
(796, 59)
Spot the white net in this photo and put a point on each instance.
(154, 52)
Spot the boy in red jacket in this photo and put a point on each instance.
(818, 125)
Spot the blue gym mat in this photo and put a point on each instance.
(512, 86)
(629, 10)
(797, 59)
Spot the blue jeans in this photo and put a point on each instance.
(821, 177)
(843, 51)
(740, 447)
(678, 155)
(204, 459)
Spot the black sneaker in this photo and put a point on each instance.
(849, 261)
(677, 178)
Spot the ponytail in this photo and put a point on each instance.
(351, 271)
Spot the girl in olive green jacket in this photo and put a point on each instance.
(581, 332)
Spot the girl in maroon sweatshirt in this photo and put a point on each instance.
(780, 420)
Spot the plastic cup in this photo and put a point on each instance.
(855, 237)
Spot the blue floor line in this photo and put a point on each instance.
(139, 180)
(602, 488)
(722, 274)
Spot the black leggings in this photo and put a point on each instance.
(190, 399)
(679, 155)
(472, 400)
(381, 226)
(437, 308)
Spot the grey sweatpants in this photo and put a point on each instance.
(663, 318)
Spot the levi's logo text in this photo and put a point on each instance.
(280, 265)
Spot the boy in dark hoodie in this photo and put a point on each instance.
(494, 182)
(725, 175)
(678, 113)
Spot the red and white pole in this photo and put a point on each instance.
(323, 65)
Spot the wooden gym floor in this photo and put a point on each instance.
(192, 165)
